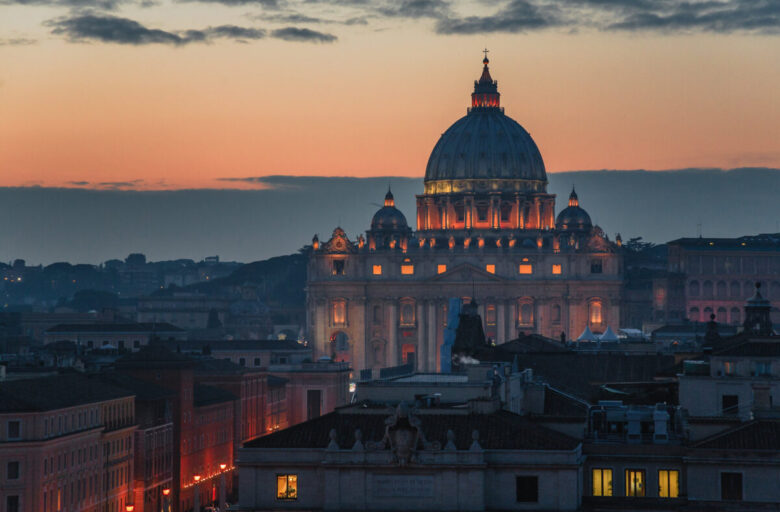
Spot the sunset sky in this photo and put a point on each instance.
(158, 94)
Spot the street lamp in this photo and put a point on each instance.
(222, 506)
(196, 495)
(165, 506)
(129, 507)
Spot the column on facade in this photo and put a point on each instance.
(467, 213)
(513, 314)
(392, 341)
(447, 223)
(419, 214)
(321, 336)
(431, 338)
(360, 327)
(500, 322)
(421, 351)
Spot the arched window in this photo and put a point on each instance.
(721, 289)
(339, 312)
(721, 316)
(340, 342)
(594, 312)
(490, 314)
(736, 316)
(707, 314)
(693, 315)
(525, 314)
(406, 318)
(734, 290)
(693, 289)
(555, 314)
(706, 289)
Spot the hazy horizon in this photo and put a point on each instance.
(45, 225)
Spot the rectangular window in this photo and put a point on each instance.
(12, 472)
(257, 361)
(729, 405)
(596, 267)
(763, 368)
(339, 312)
(12, 503)
(407, 270)
(490, 268)
(526, 268)
(377, 270)
(527, 489)
(557, 269)
(635, 483)
(14, 429)
(731, 486)
(602, 482)
(338, 267)
(313, 403)
(440, 269)
(286, 487)
(668, 483)
(729, 368)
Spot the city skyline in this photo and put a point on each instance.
(165, 95)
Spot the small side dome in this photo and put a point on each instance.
(389, 218)
(573, 218)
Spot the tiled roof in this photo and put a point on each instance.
(56, 392)
(754, 435)
(532, 343)
(143, 390)
(208, 395)
(104, 327)
(154, 354)
(500, 430)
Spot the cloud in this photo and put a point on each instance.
(415, 9)
(106, 5)
(119, 185)
(296, 17)
(517, 16)
(303, 35)
(78, 183)
(268, 4)
(17, 41)
(113, 29)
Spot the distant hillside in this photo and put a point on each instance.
(43, 225)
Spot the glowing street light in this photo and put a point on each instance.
(222, 506)
(196, 494)
(129, 507)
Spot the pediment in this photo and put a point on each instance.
(466, 273)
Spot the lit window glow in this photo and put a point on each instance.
(440, 269)
(602, 482)
(377, 270)
(407, 270)
(557, 269)
(635, 483)
(286, 487)
(490, 268)
(526, 268)
(668, 483)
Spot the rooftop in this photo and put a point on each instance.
(209, 395)
(146, 327)
(56, 392)
(754, 435)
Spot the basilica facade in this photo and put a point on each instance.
(486, 231)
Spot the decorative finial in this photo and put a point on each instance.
(485, 60)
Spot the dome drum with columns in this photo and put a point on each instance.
(486, 229)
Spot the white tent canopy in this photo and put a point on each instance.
(587, 335)
(609, 335)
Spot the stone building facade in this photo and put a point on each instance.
(486, 230)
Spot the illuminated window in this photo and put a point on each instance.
(729, 368)
(377, 270)
(557, 268)
(490, 268)
(339, 316)
(338, 267)
(668, 483)
(286, 487)
(407, 269)
(407, 313)
(526, 314)
(602, 482)
(635, 483)
(594, 312)
(440, 269)
(490, 314)
(526, 268)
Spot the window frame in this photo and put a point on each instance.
(669, 473)
(642, 483)
(556, 269)
(287, 496)
(18, 470)
(602, 471)
(18, 430)
(535, 495)
(741, 485)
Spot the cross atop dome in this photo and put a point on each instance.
(485, 93)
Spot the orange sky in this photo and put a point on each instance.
(375, 102)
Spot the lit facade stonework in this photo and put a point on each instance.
(485, 229)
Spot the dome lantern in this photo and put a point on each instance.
(485, 93)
